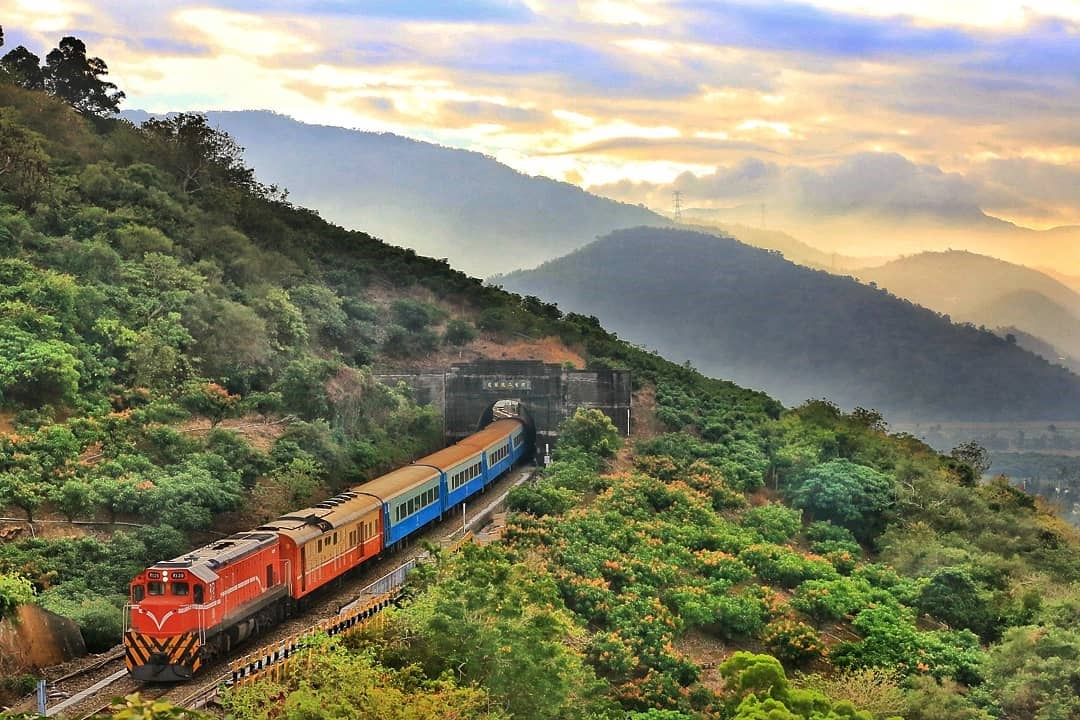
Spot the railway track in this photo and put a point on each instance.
(90, 689)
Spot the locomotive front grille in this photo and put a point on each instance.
(166, 659)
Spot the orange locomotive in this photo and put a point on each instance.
(200, 605)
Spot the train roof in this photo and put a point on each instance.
(398, 481)
(342, 509)
(203, 562)
(492, 434)
(450, 457)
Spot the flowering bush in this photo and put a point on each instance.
(785, 565)
(792, 640)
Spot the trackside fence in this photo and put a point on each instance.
(274, 661)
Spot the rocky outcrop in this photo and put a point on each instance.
(35, 638)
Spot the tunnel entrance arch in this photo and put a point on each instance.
(511, 408)
(468, 391)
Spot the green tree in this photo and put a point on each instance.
(212, 401)
(592, 431)
(14, 591)
(459, 333)
(75, 78)
(199, 156)
(493, 622)
(289, 487)
(23, 490)
(974, 455)
(75, 498)
(850, 495)
(24, 68)
(1034, 674)
(414, 315)
(24, 164)
(953, 596)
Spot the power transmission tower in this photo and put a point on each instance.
(678, 205)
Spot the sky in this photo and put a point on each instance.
(948, 106)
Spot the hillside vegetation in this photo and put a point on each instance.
(750, 315)
(743, 561)
(442, 202)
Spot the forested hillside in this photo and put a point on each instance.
(183, 351)
(442, 202)
(986, 291)
(750, 315)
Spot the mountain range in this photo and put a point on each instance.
(480, 214)
(750, 315)
(855, 229)
(987, 291)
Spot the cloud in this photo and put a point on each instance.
(883, 183)
(1031, 186)
(796, 102)
(794, 28)
(477, 111)
(576, 65)
(417, 10)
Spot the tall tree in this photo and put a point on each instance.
(24, 68)
(76, 79)
(200, 156)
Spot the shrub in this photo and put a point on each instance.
(785, 565)
(953, 597)
(774, 522)
(541, 499)
(100, 618)
(876, 690)
(838, 599)
(891, 640)
(792, 640)
(14, 591)
(738, 615)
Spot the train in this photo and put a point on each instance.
(185, 611)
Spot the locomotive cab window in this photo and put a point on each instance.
(197, 595)
(138, 592)
(180, 588)
(155, 588)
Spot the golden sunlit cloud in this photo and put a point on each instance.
(600, 92)
(45, 16)
(242, 33)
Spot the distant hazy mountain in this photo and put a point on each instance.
(1071, 281)
(792, 248)
(986, 291)
(852, 230)
(1040, 347)
(483, 216)
(749, 315)
(1034, 313)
